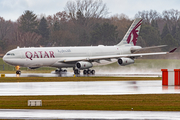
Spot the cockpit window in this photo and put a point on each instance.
(12, 54)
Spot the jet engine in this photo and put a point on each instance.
(125, 61)
(83, 65)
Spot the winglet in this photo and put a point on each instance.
(172, 50)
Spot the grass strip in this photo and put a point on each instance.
(61, 79)
(151, 102)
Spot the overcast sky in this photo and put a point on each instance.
(12, 9)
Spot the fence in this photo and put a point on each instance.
(5, 67)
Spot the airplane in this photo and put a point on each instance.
(83, 57)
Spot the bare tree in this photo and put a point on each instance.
(27, 39)
(62, 16)
(86, 9)
(5, 27)
(122, 22)
(171, 17)
(5, 31)
(59, 17)
(148, 16)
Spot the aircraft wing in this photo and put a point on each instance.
(113, 56)
(146, 48)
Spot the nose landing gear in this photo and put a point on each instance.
(18, 72)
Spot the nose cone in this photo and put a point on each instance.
(4, 58)
(7, 60)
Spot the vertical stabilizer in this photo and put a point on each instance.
(132, 34)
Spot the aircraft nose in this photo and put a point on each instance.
(4, 58)
(7, 60)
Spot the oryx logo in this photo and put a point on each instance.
(134, 35)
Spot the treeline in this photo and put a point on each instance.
(85, 22)
(160, 28)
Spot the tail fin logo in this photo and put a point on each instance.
(134, 34)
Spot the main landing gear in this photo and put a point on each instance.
(58, 71)
(77, 71)
(88, 72)
(18, 72)
(85, 72)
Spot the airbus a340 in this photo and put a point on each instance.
(80, 58)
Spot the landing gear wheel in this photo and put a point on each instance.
(92, 72)
(88, 71)
(18, 72)
(76, 71)
(58, 71)
(85, 72)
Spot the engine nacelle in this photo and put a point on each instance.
(83, 65)
(125, 61)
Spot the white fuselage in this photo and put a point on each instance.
(54, 56)
(80, 57)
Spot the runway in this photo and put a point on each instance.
(86, 114)
(71, 74)
(87, 88)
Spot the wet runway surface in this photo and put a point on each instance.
(83, 114)
(70, 74)
(87, 88)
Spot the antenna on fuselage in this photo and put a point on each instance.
(17, 47)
